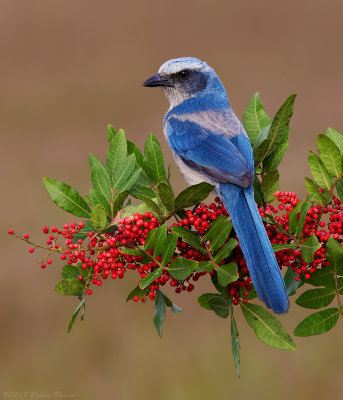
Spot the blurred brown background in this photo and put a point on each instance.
(67, 69)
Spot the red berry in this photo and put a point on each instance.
(11, 232)
(31, 250)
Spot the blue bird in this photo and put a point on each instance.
(209, 144)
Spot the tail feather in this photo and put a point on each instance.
(255, 245)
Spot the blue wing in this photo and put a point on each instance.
(211, 153)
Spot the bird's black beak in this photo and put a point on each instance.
(156, 80)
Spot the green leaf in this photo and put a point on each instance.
(291, 284)
(316, 298)
(160, 311)
(252, 294)
(334, 253)
(169, 303)
(204, 266)
(280, 124)
(303, 212)
(132, 209)
(132, 148)
(279, 246)
(181, 268)
(336, 137)
(98, 198)
(70, 286)
(309, 247)
(226, 250)
(127, 185)
(74, 315)
(169, 249)
(218, 233)
(273, 160)
(267, 328)
(318, 171)
(166, 195)
(235, 344)
(270, 184)
(227, 273)
(312, 189)
(258, 194)
(137, 291)
(153, 160)
(317, 323)
(214, 280)
(83, 233)
(122, 173)
(189, 237)
(152, 206)
(95, 162)
(261, 137)
(70, 272)
(118, 201)
(330, 155)
(142, 188)
(67, 198)
(98, 217)
(110, 132)
(101, 183)
(219, 305)
(116, 155)
(261, 151)
(255, 118)
(322, 277)
(339, 188)
(160, 240)
(193, 195)
(204, 300)
(150, 240)
(145, 282)
(293, 218)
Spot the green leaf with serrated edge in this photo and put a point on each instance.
(318, 171)
(261, 151)
(204, 300)
(74, 315)
(137, 291)
(70, 272)
(67, 198)
(312, 189)
(267, 327)
(153, 159)
(302, 217)
(150, 240)
(166, 195)
(316, 298)
(169, 249)
(262, 135)
(181, 268)
(214, 280)
(219, 305)
(70, 287)
(336, 137)
(226, 250)
(122, 173)
(116, 154)
(132, 148)
(152, 206)
(235, 342)
(322, 277)
(169, 303)
(273, 160)
(258, 194)
(227, 273)
(145, 282)
(204, 266)
(110, 132)
(118, 201)
(293, 218)
(160, 310)
(334, 253)
(291, 284)
(330, 155)
(83, 233)
(160, 240)
(309, 247)
(280, 124)
(101, 183)
(255, 118)
(127, 185)
(283, 246)
(317, 323)
(189, 237)
(193, 195)
(270, 184)
(98, 217)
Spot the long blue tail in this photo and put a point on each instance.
(255, 245)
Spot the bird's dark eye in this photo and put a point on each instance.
(184, 73)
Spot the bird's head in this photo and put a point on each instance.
(184, 78)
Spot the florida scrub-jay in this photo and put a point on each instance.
(209, 144)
